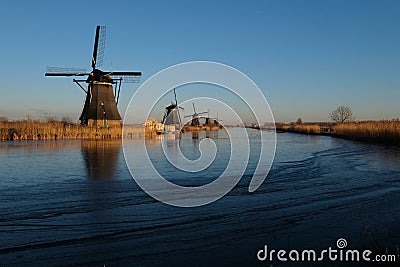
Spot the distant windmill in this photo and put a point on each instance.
(208, 119)
(211, 121)
(217, 121)
(101, 102)
(171, 115)
(195, 117)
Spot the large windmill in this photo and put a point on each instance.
(101, 101)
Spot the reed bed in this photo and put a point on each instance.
(300, 128)
(383, 132)
(380, 132)
(36, 130)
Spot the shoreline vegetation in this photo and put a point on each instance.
(386, 132)
(61, 130)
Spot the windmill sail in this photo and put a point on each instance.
(55, 71)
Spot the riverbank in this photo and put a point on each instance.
(376, 132)
(299, 128)
(36, 130)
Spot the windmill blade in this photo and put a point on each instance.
(55, 71)
(176, 104)
(125, 76)
(99, 44)
(96, 44)
(202, 113)
(194, 108)
(188, 116)
(176, 101)
(124, 73)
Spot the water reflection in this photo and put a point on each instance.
(101, 158)
(202, 134)
(195, 135)
(213, 134)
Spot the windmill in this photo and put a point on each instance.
(100, 108)
(212, 121)
(208, 119)
(171, 115)
(195, 117)
(217, 121)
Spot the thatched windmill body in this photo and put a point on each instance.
(103, 88)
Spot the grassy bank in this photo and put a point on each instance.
(380, 132)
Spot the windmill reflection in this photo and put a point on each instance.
(212, 134)
(101, 158)
(203, 134)
(195, 135)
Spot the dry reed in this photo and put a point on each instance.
(380, 132)
(35, 130)
(300, 128)
(383, 132)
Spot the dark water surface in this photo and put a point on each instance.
(75, 203)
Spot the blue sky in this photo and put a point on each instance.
(308, 57)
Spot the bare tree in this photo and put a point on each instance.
(342, 114)
(51, 119)
(66, 120)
